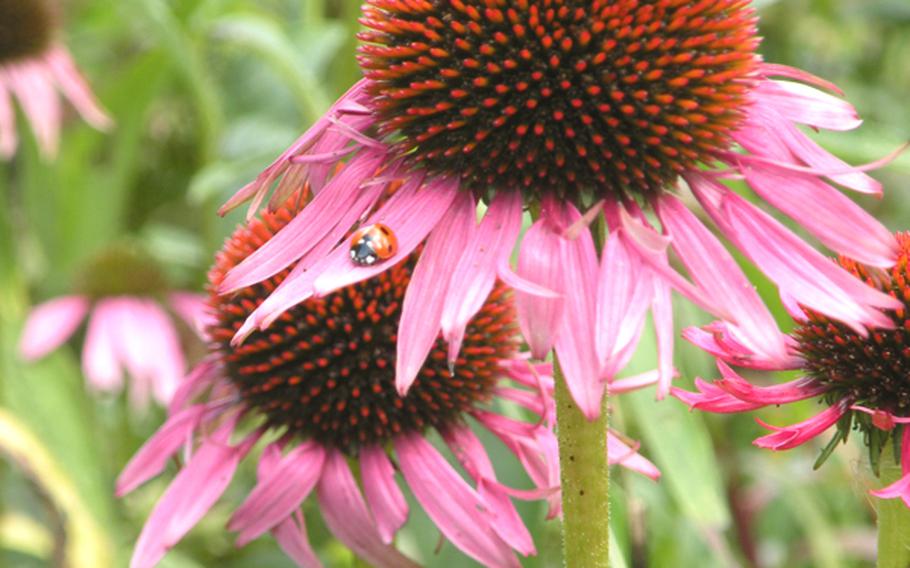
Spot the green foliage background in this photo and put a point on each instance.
(205, 93)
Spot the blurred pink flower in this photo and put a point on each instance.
(460, 104)
(320, 387)
(126, 334)
(34, 64)
(860, 375)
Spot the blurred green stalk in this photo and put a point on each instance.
(893, 522)
(585, 481)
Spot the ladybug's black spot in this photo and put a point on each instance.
(325, 370)
(26, 28)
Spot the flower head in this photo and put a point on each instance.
(861, 377)
(587, 116)
(130, 329)
(320, 385)
(33, 64)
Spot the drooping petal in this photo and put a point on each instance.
(618, 452)
(348, 517)
(8, 138)
(50, 324)
(838, 222)
(309, 226)
(100, 362)
(459, 511)
(538, 261)
(714, 270)
(791, 391)
(74, 87)
(421, 311)
(193, 309)
(385, 498)
(291, 536)
(802, 432)
(475, 274)
(473, 457)
(575, 342)
(662, 314)
(189, 497)
(33, 86)
(801, 103)
(712, 398)
(280, 490)
(152, 458)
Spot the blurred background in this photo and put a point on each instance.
(205, 93)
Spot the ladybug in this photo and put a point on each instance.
(373, 243)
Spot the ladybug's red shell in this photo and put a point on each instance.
(373, 243)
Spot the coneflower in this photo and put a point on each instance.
(34, 64)
(862, 378)
(319, 386)
(131, 329)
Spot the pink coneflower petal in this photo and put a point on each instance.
(421, 312)
(309, 226)
(280, 490)
(154, 455)
(458, 510)
(263, 182)
(714, 271)
(537, 450)
(791, 391)
(292, 537)
(898, 489)
(475, 274)
(75, 88)
(390, 510)
(100, 362)
(662, 314)
(192, 309)
(33, 86)
(624, 293)
(766, 134)
(798, 269)
(538, 262)
(620, 453)
(51, 323)
(8, 138)
(575, 341)
(798, 434)
(635, 382)
(797, 102)
(712, 398)
(651, 247)
(348, 518)
(717, 340)
(189, 497)
(412, 213)
(471, 454)
(835, 219)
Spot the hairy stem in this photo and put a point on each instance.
(585, 481)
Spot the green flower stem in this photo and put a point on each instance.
(585, 481)
(893, 521)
